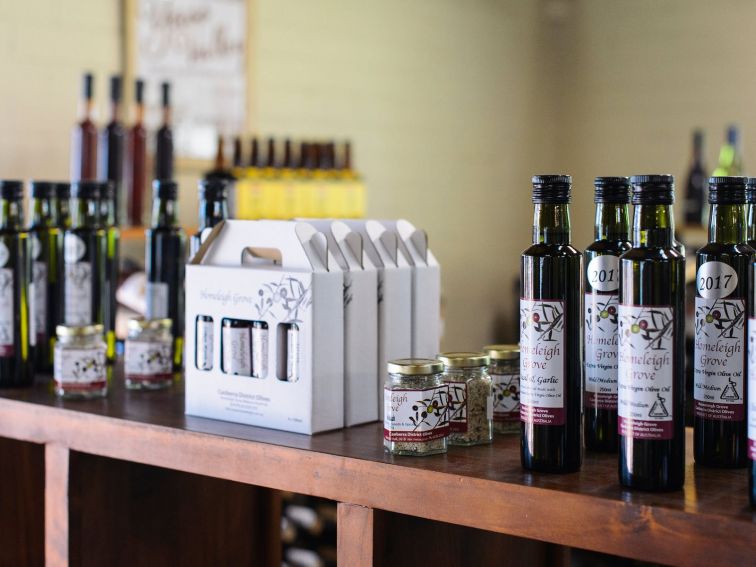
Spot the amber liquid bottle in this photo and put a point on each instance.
(112, 146)
(84, 139)
(651, 379)
(612, 233)
(551, 363)
(164, 139)
(137, 161)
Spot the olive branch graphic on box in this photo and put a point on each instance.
(722, 318)
(651, 324)
(544, 319)
(283, 299)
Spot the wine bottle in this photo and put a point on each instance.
(112, 258)
(651, 379)
(84, 262)
(237, 155)
(612, 233)
(213, 208)
(15, 343)
(720, 362)
(550, 334)
(730, 160)
(695, 192)
(63, 204)
(112, 145)
(84, 139)
(164, 139)
(45, 291)
(750, 222)
(165, 256)
(137, 161)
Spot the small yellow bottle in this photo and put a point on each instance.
(271, 185)
(248, 187)
(354, 188)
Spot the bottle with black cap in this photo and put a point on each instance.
(83, 257)
(612, 233)
(721, 357)
(84, 139)
(651, 379)
(551, 359)
(112, 258)
(165, 257)
(136, 169)
(15, 342)
(112, 145)
(164, 139)
(695, 192)
(45, 290)
(63, 204)
(213, 208)
(750, 222)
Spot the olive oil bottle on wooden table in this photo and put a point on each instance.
(612, 234)
(213, 208)
(112, 258)
(750, 221)
(550, 334)
(651, 379)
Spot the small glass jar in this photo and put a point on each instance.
(415, 398)
(80, 362)
(148, 360)
(470, 397)
(505, 374)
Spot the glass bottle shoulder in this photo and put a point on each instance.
(541, 250)
(615, 247)
(653, 253)
(729, 249)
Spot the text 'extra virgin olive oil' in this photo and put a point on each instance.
(165, 258)
(550, 334)
(15, 343)
(112, 257)
(651, 379)
(602, 276)
(213, 209)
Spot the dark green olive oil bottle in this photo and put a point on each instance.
(550, 334)
(602, 275)
(750, 222)
(111, 256)
(213, 208)
(651, 378)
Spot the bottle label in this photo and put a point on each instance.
(716, 280)
(237, 354)
(542, 324)
(506, 398)
(646, 372)
(752, 388)
(157, 300)
(603, 273)
(6, 309)
(78, 292)
(415, 415)
(38, 303)
(74, 248)
(457, 407)
(718, 369)
(601, 347)
(204, 339)
(147, 361)
(80, 368)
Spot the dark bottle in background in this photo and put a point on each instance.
(550, 335)
(213, 208)
(63, 204)
(46, 290)
(164, 139)
(112, 145)
(721, 357)
(651, 379)
(84, 138)
(602, 275)
(136, 169)
(111, 256)
(750, 222)
(695, 191)
(165, 258)
(15, 344)
(237, 155)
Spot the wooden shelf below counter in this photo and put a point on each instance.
(708, 523)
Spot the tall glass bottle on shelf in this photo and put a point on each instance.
(84, 138)
(15, 343)
(291, 207)
(46, 290)
(136, 170)
(730, 159)
(612, 234)
(165, 257)
(164, 138)
(213, 208)
(112, 259)
(651, 380)
(550, 335)
(112, 145)
(695, 191)
(237, 160)
(750, 222)
(63, 204)
(721, 358)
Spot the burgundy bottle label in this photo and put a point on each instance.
(506, 398)
(6, 311)
(415, 415)
(542, 357)
(751, 389)
(646, 372)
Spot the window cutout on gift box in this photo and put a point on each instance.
(203, 342)
(288, 356)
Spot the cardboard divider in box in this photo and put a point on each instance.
(265, 324)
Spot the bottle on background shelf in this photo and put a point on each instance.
(136, 169)
(84, 138)
(248, 191)
(272, 191)
(550, 335)
(237, 160)
(213, 208)
(651, 379)
(291, 206)
(602, 275)
(63, 204)
(112, 259)
(730, 159)
(112, 146)
(164, 138)
(750, 222)
(354, 189)
(695, 192)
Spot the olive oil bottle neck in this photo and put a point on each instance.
(551, 223)
(653, 226)
(612, 221)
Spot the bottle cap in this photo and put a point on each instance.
(82, 331)
(115, 88)
(612, 190)
(11, 189)
(86, 189)
(165, 189)
(464, 359)
(415, 366)
(213, 189)
(141, 323)
(653, 189)
(502, 352)
(139, 91)
(751, 190)
(727, 190)
(43, 189)
(107, 190)
(88, 86)
(63, 190)
(551, 188)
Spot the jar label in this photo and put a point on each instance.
(457, 407)
(156, 294)
(78, 292)
(603, 273)
(38, 303)
(542, 362)
(6, 312)
(204, 353)
(646, 371)
(80, 368)
(752, 388)
(237, 356)
(718, 365)
(601, 363)
(145, 361)
(506, 398)
(415, 415)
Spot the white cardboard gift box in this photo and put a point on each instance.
(277, 273)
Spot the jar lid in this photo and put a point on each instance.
(141, 323)
(502, 352)
(463, 359)
(415, 366)
(83, 331)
